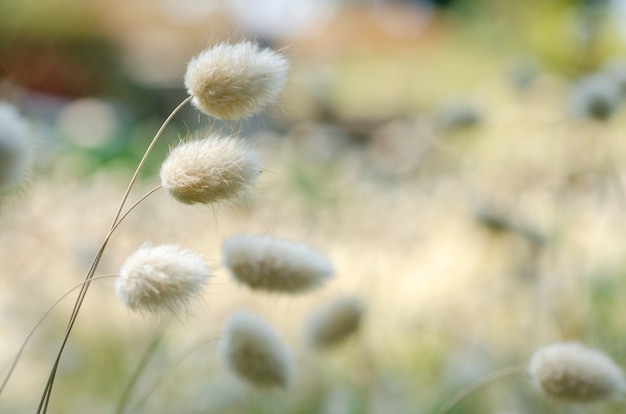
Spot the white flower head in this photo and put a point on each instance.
(255, 353)
(15, 142)
(264, 263)
(209, 170)
(572, 372)
(334, 322)
(232, 81)
(161, 278)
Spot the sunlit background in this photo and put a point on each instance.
(437, 152)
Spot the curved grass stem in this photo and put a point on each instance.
(131, 208)
(473, 386)
(170, 366)
(45, 398)
(143, 362)
(45, 315)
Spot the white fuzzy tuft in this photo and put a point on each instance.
(209, 170)
(253, 350)
(14, 147)
(232, 81)
(335, 322)
(161, 278)
(264, 263)
(573, 372)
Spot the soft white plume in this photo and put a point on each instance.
(209, 170)
(232, 81)
(252, 350)
(161, 278)
(264, 263)
(573, 372)
(15, 143)
(334, 322)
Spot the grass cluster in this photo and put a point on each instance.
(470, 248)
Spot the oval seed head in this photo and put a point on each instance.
(234, 81)
(596, 96)
(265, 263)
(14, 147)
(209, 170)
(335, 322)
(253, 351)
(573, 372)
(161, 278)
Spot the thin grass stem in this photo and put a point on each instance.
(45, 315)
(170, 366)
(473, 386)
(143, 362)
(43, 404)
(131, 208)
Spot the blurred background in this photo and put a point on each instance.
(460, 162)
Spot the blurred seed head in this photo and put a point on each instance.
(499, 222)
(575, 373)
(15, 143)
(265, 263)
(161, 278)
(335, 322)
(595, 96)
(209, 170)
(233, 81)
(254, 352)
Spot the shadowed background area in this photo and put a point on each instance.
(458, 162)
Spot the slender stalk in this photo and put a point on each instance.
(143, 362)
(473, 386)
(45, 398)
(45, 315)
(170, 366)
(131, 208)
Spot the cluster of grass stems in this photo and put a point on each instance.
(232, 82)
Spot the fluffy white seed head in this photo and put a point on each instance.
(264, 263)
(14, 147)
(255, 353)
(209, 170)
(161, 278)
(232, 81)
(333, 323)
(572, 372)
